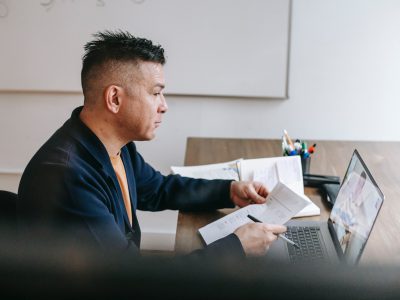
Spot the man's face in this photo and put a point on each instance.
(144, 102)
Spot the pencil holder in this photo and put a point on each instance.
(305, 164)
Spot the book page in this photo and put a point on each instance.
(282, 204)
(290, 173)
(226, 170)
(248, 167)
(287, 168)
(268, 176)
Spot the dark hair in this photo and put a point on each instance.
(363, 175)
(117, 46)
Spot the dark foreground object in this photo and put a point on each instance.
(36, 271)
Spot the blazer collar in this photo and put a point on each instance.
(80, 132)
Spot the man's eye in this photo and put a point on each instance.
(156, 94)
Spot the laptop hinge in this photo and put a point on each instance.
(335, 240)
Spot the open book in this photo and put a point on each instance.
(270, 171)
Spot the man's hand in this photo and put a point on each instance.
(257, 237)
(248, 192)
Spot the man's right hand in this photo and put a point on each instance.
(257, 237)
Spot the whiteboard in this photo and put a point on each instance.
(213, 47)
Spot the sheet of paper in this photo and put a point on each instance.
(286, 169)
(226, 170)
(228, 224)
(282, 204)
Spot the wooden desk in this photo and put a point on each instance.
(331, 158)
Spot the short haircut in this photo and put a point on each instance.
(116, 47)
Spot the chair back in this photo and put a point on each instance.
(8, 209)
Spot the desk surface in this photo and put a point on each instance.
(330, 158)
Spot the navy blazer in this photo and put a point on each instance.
(71, 185)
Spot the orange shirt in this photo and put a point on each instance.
(119, 169)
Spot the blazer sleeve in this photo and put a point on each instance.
(227, 247)
(157, 192)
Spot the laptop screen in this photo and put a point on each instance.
(356, 208)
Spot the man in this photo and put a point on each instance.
(88, 179)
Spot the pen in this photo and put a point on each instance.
(279, 235)
(289, 140)
(312, 148)
(285, 147)
(328, 177)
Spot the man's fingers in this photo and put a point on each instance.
(254, 196)
(246, 192)
(257, 199)
(274, 228)
(261, 189)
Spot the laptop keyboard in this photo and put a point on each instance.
(309, 242)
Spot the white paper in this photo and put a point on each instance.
(268, 176)
(270, 171)
(228, 224)
(282, 204)
(286, 168)
(290, 173)
(226, 170)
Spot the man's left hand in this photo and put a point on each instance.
(248, 192)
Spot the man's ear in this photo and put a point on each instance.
(113, 98)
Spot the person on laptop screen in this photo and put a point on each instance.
(353, 215)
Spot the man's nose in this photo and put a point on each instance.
(163, 105)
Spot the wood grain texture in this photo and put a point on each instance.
(330, 158)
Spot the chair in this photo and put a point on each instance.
(8, 210)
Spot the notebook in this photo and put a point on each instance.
(344, 236)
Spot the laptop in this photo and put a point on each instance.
(343, 237)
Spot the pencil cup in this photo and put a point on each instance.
(305, 164)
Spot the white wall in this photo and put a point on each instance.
(344, 84)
